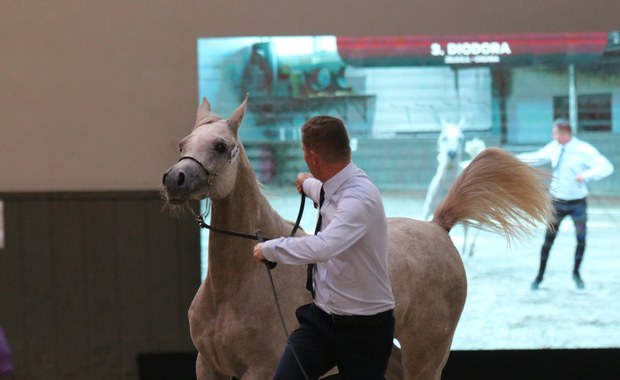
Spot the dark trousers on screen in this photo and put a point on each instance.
(577, 209)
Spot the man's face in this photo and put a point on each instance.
(560, 136)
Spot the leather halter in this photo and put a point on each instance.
(211, 177)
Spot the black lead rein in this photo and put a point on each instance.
(203, 224)
(258, 236)
(268, 264)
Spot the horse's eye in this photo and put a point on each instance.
(221, 148)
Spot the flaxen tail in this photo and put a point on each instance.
(497, 192)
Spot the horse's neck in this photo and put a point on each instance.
(446, 165)
(245, 210)
(242, 207)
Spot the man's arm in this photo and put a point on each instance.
(599, 166)
(538, 158)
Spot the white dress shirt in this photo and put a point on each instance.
(578, 158)
(350, 251)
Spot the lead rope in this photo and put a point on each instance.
(269, 265)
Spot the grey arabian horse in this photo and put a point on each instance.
(234, 322)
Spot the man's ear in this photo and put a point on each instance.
(315, 157)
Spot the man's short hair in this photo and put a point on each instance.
(563, 125)
(327, 136)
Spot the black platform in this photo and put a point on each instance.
(582, 364)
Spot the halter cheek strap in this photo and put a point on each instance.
(234, 152)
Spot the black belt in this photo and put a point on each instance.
(570, 201)
(356, 320)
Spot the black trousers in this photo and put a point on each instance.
(577, 209)
(360, 347)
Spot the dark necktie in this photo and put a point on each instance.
(310, 269)
(557, 164)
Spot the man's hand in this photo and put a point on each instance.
(579, 178)
(299, 183)
(258, 252)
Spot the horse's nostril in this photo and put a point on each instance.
(173, 180)
(181, 179)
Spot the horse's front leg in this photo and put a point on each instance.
(258, 374)
(205, 372)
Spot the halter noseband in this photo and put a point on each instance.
(195, 161)
(211, 177)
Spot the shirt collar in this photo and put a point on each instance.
(333, 184)
(572, 142)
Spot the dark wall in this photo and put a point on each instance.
(90, 280)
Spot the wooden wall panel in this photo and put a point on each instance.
(37, 282)
(69, 288)
(161, 262)
(11, 287)
(132, 282)
(90, 280)
(101, 263)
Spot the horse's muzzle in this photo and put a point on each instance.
(174, 181)
(181, 180)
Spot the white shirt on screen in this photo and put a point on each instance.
(578, 158)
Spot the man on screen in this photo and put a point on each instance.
(574, 163)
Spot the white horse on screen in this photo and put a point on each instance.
(450, 147)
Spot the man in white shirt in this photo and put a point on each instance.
(574, 163)
(350, 324)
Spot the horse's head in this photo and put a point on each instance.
(450, 141)
(208, 158)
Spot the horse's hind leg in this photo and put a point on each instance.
(395, 366)
(424, 357)
(473, 242)
(465, 230)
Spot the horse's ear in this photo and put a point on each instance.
(444, 123)
(204, 109)
(237, 117)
